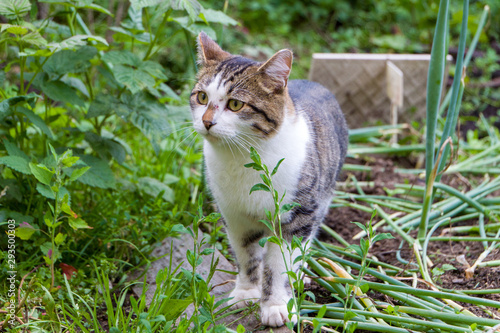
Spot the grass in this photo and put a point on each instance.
(157, 194)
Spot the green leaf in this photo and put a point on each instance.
(216, 16)
(14, 29)
(169, 92)
(288, 207)
(254, 155)
(12, 9)
(49, 304)
(122, 58)
(60, 238)
(276, 167)
(6, 214)
(139, 4)
(395, 42)
(46, 191)
(13, 150)
(7, 106)
(171, 179)
(97, 8)
(123, 35)
(383, 236)
(364, 245)
(195, 28)
(154, 69)
(77, 173)
(356, 249)
(255, 166)
(311, 295)
(134, 79)
(106, 104)
(34, 38)
(154, 187)
(348, 315)
(361, 225)
(321, 312)
(37, 121)
(41, 173)
(448, 267)
(78, 223)
(192, 7)
(207, 251)
(106, 148)
(14, 192)
(275, 240)
(69, 161)
(364, 287)
(134, 22)
(24, 231)
(17, 163)
(265, 179)
(99, 174)
(260, 187)
(67, 61)
(212, 217)
(263, 241)
(76, 83)
(65, 207)
(60, 91)
(149, 116)
(75, 41)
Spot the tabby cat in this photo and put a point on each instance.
(238, 103)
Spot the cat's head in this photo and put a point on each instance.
(237, 99)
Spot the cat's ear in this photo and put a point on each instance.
(278, 67)
(208, 50)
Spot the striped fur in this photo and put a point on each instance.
(297, 120)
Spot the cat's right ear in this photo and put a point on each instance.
(208, 50)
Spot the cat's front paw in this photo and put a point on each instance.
(242, 297)
(275, 315)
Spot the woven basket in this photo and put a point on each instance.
(359, 84)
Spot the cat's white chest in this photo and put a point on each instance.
(230, 182)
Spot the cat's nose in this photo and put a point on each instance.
(208, 124)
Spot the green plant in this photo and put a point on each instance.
(61, 171)
(287, 247)
(73, 101)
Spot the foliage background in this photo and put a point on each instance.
(113, 90)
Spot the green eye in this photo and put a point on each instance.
(234, 105)
(202, 97)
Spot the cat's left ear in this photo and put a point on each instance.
(278, 67)
(208, 50)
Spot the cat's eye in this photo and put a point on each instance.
(202, 98)
(234, 105)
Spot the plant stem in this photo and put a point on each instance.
(153, 42)
(36, 73)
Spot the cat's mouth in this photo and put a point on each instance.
(210, 137)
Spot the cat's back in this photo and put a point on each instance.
(323, 112)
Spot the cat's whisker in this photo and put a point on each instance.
(191, 136)
(251, 140)
(241, 143)
(229, 145)
(247, 144)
